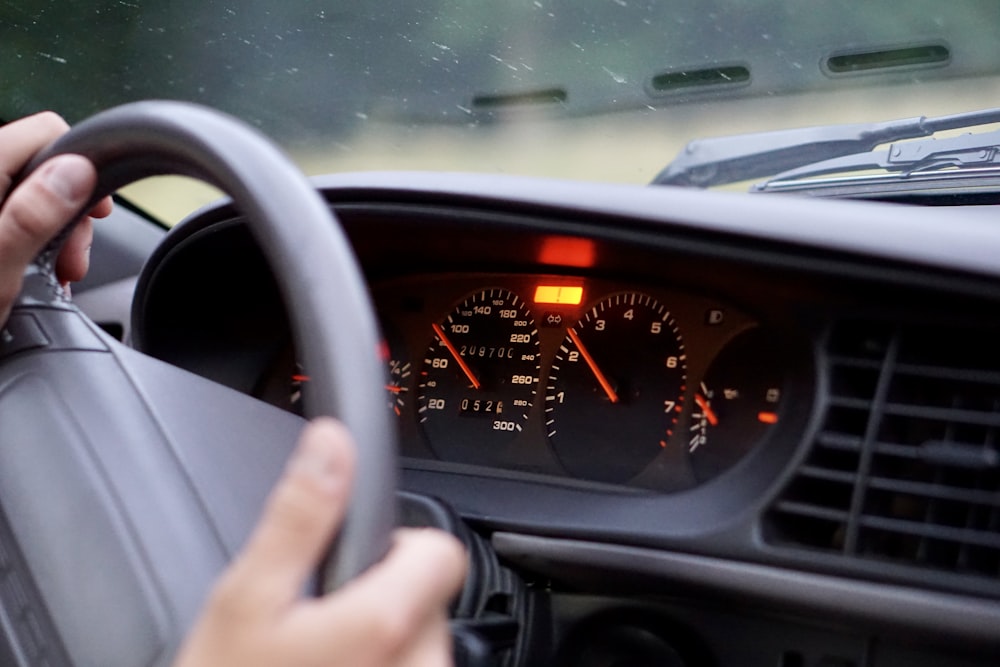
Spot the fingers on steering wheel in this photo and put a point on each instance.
(22, 139)
(301, 517)
(37, 210)
(421, 574)
(74, 258)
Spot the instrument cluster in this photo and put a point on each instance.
(575, 377)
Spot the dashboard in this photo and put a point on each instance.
(652, 402)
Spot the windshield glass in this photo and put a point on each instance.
(605, 90)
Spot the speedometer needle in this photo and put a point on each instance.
(601, 380)
(439, 332)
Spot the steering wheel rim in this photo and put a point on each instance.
(313, 265)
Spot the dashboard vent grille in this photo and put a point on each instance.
(906, 465)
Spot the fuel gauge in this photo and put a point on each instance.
(397, 382)
(737, 405)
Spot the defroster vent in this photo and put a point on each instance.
(906, 466)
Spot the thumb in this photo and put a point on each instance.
(301, 516)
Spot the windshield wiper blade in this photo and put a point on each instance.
(903, 160)
(716, 161)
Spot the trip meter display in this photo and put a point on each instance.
(480, 374)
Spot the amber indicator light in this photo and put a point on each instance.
(767, 417)
(559, 294)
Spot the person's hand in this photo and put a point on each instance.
(394, 614)
(42, 205)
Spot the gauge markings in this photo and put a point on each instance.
(399, 377)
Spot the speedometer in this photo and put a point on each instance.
(479, 375)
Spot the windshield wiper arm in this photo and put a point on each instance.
(707, 162)
(905, 159)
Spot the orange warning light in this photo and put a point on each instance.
(767, 417)
(568, 251)
(559, 294)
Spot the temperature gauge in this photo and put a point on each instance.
(738, 403)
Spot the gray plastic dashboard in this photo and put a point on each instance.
(800, 266)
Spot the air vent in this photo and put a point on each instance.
(707, 77)
(906, 466)
(499, 101)
(924, 55)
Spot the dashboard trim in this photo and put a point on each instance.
(909, 234)
(894, 608)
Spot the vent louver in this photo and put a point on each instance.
(906, 465)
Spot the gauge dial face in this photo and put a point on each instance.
(616, 388)
(480, 375)
(398, 385)
(737, 404)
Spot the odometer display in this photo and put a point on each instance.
(479, 376)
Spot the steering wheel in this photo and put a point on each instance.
(126, 484)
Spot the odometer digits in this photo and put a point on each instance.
(479, 376)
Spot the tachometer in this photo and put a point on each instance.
(479, 376)
(616, 388)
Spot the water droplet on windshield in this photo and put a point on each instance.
(617, 77)
(56, 59)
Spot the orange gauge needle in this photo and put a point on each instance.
(706, 409)
(458, 358)
(601, 380)
(393, 389)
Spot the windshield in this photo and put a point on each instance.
(607, 90)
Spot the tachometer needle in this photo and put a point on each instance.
(439, 332)
(706, 409)
(601, 380)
